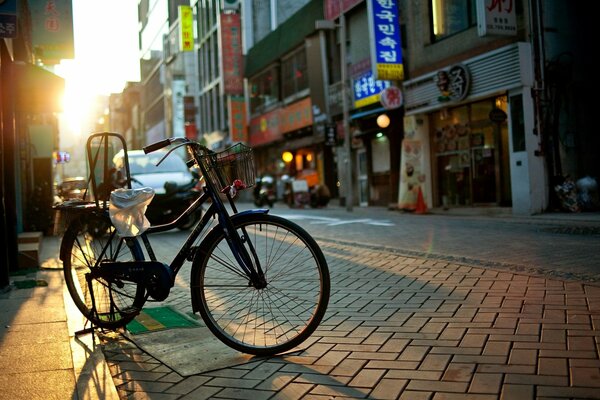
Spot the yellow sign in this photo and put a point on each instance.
(186, 28)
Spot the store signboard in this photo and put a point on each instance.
(297, 115)
(496, 17)
(52, 30)
(8, 19)
(231, 49)
(265, 128)
(386, 46)
(237, 119)
(367, 89)
(186, 28)
(332, 7)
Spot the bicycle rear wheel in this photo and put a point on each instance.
(269, 320)
(89, 239)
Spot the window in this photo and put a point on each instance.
(264, 90)
(452, 16)
(294, 75)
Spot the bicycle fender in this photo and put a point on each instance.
(195, 272)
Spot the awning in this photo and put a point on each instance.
(37, 90)
(361, 114)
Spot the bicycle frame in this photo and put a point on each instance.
(244, 255)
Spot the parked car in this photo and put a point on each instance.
(72, 188)
(175, 186)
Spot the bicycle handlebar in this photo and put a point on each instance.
(156, 146)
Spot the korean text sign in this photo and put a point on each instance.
(386, 46)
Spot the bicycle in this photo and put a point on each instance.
(260, 282)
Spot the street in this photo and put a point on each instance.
(422, 307)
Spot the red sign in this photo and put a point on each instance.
(332, 7)
(297, 115)
(391, 97)
(265, 128)
(231, 52)
(237, 119)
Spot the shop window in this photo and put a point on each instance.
(264, 90)
(294, 74)
(449, 17)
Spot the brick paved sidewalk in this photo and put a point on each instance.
(403, 327)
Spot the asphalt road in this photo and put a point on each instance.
(560, 245)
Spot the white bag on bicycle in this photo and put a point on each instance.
(127, 210)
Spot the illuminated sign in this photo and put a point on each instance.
(386, 47)
(367, 89)
(186, 28)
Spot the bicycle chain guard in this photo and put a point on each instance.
(157, 277)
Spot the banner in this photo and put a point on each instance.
(186, 28)
(52, 30)
(386, 47)
(237, 119)
(231, 52)
(8, 19)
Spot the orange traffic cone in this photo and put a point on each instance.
(421, 206)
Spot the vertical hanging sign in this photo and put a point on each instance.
(231, 48)
(8, 19)
(496, 17)
(386, 47)
(186, 28)
(237, 119)
(52, 30)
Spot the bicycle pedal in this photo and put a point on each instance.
(130, 312)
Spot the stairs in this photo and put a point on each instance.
(30, 246)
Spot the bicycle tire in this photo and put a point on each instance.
(88, 239)
(278, 317)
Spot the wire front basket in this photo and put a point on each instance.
(233, 166)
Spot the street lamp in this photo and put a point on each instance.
(327, 24)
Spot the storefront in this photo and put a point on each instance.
(470, 162)
(469, 135)
(286, 146)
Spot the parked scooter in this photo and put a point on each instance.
(264, 191)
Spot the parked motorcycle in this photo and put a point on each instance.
(264, 191)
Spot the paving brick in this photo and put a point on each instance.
(367, 378)
(349, 367)
(523, 357)
(459, 372)
(570, 392)
(553, 366)
(188, 385)
(414, 353)
(582, 376)
(415, 395)
(521, 392)
(536, 379)
(437, 386)
(435, 362)
(485, 383)
(463, 396)
(295, 391)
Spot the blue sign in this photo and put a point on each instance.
(386, 46)
(367, 89)
(8, 19)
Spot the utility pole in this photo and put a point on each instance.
(345, 113)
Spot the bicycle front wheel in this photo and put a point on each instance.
(269, 320)
(88, 240)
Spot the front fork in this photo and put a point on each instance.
(245, 254)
